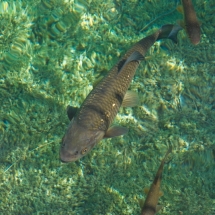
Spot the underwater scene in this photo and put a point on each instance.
(62, 154)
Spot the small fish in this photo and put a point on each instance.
(191, 23)
(150, 206)
(92, 122)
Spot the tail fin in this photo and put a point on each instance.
(169, 31)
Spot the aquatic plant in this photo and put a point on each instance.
(57, 66)
(15, 31)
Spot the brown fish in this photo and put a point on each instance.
(91, 123)
(150, 206)
(192, 25)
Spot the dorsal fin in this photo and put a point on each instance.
(135, 56)
(71, 111)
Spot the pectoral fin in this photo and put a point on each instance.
(135, 56)
(71, 111)
(131, 99)
(115, 131)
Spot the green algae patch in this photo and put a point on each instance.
(51, 54)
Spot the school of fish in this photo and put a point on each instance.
(93, 120)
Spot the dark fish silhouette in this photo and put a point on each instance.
(191, 24)
(91, 123)
(150, 206)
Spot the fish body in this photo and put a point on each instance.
(92, 122)
(150, 204)
(191, 22)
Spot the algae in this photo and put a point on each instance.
(51, 54)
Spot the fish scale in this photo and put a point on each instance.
(103, 96)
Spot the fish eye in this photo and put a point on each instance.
(84, 151)
(76, 153)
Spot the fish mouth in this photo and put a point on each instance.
(63, 160)
(66, 157)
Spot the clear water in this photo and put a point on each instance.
(52, 52)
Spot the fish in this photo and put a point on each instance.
(191, 23)
(92, 122)
(150, 206)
